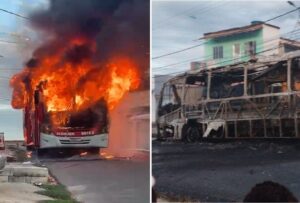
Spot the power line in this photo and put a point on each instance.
(15, 14)
(202, 10)
(4, 78)
(282, 15)
(192, 47)
(199, 58)
(176, 15)
(188, 47)
(181, 62)
(14, 34)
(10, 42)
(181, 50)
(11, 69)
(222, 62)
(6, 99)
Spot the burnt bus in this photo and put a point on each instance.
(254, 99)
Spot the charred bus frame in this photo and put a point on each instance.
(255, 99)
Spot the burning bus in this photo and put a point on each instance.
(84, 61)
(255, 99)
(72, 113)
(85, 129)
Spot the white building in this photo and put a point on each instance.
(130, 125)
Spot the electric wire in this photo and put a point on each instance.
(15, 14)
(199, 58)
(222, 62)
(192, 47)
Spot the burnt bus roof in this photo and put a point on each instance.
(256, 63)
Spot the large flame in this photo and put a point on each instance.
(69, 86)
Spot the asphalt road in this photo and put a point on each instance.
(223, 171)
(112, 181)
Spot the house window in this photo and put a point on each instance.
(236, 51)
(250, 48)
(218, 52)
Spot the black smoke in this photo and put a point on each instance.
(119, 27)
(32, 63)
(77, 53)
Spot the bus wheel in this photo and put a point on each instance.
(42, 152)
(93, 150)
(217, 133)
(29, 148)
(192, 134)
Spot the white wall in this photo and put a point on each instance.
(271, 38)
(130, 125)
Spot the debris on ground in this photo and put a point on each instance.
(52, 181)
(253, 148)
(38, 184)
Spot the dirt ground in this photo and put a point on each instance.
(223, 171)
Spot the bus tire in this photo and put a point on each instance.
(42, 152)
(183, 133)
(93, 150)
(29, 148)
(192, 134)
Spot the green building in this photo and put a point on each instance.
(239, 44)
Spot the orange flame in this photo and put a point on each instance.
(104, 155)
(29, 154)
(83, 153)
(69, 87)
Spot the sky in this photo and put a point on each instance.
(179, 24)
(16, 30)
(175, 25)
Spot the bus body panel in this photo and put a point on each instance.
(2, 141)
(53, 141)
(257, 99)
(38, 135)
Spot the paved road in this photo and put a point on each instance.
(223, 171)
(112, 181)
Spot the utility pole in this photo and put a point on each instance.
(297, 25)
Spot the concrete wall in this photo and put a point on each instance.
(271, 38)
(14, 143)
(130, 125)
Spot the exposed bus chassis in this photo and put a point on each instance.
(256, 99)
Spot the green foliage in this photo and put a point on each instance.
(57, 192)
